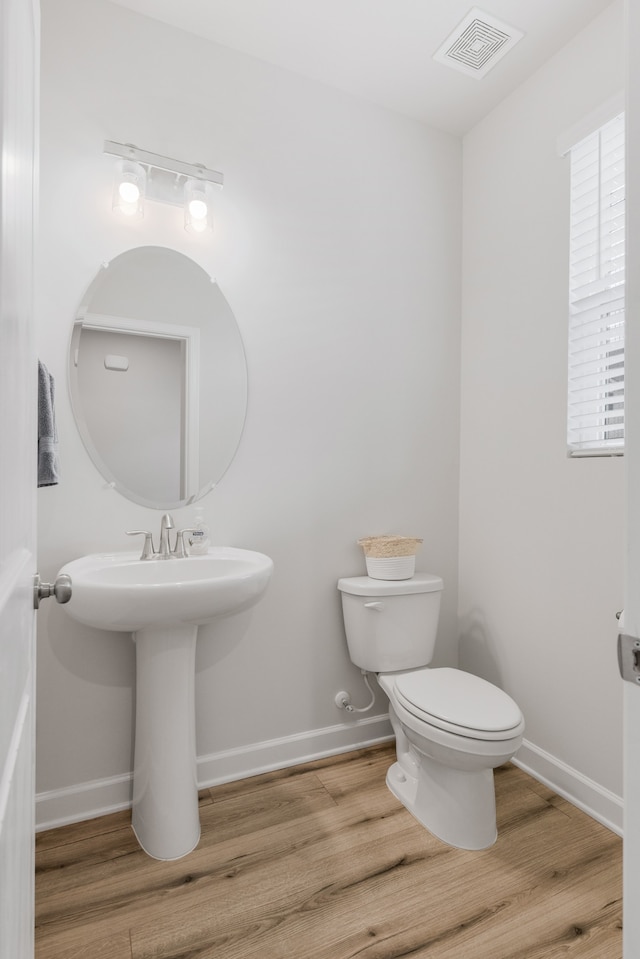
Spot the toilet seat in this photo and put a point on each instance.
(457, 702)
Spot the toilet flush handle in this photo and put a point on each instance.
(377, 606)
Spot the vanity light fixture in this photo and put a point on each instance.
(141, 176)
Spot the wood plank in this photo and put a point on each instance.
(320, 886)
(382, 753)
(323, 862)
(84, 944)
(330, 898)
(109, 875)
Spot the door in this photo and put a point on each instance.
(631, 692)
(19, 57)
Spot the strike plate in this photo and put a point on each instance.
(629, 658)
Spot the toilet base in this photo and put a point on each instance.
(457, 806)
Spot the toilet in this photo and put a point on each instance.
(452, 728)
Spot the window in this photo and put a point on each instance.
(596, 301)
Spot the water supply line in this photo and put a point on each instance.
(343, 698)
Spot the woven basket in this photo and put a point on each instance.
(390, 557)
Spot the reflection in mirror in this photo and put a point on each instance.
(158, 377)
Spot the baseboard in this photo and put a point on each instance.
(103, 796)
(58, 807)
(252, 760)
(599, 803)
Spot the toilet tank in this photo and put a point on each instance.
(391, 624)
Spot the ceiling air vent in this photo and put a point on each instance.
(477, 43)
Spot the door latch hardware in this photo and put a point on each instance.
(61, 589)
(629, 658)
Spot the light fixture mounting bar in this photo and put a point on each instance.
(130, 152)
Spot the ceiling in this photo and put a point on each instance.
(382, 50)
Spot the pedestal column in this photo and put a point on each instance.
(165, 815)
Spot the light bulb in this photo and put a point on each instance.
(130, 192)
(198, 209)
(129, 189)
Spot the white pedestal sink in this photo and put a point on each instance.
(162, 602)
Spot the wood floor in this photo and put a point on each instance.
(322, 862)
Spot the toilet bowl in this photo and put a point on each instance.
(444, 769)
(451, 728)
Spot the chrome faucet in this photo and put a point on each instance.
(164, 552)
(166, 523)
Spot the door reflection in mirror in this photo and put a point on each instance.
(158, 377)
(147, 436)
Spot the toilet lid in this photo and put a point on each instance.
(450, 697)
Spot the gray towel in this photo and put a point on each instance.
(47, 433)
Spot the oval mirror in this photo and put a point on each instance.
(158, 377)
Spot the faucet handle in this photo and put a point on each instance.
(179, 550)
(147, 550)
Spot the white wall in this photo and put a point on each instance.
(541, 535)
(338, 247)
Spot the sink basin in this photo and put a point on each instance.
(122, 592)
(162, 602)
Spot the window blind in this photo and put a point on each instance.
(596, 321)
